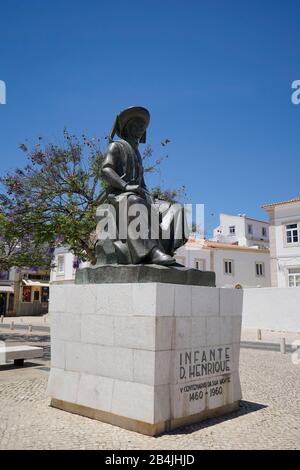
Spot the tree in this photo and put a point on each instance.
(17, 247)
(52, 201)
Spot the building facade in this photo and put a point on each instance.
(242, 230)
(284, 218)
(24, 292)
(64, 266)
(234, 265)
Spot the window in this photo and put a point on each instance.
(61, 264)
(228, 266)
(260, 269)
(232, 229)
(264, 231)
(292, 235)
(250, 229)
(4, 275)
(200, 264)
(294, 277)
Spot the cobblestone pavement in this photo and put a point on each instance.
(269, 416)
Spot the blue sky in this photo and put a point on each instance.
(216, 76)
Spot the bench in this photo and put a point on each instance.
(18, 353)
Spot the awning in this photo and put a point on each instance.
(30, 283)
(7, 289)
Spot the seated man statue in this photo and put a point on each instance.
(125, 189)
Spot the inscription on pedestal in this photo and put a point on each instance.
(204, 362)
(209, 388)
(203, 378)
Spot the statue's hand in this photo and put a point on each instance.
(135, 188)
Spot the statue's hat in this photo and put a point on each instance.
(124, 116)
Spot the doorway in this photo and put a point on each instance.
(3, 301)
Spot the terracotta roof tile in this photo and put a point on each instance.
(228, 246)
(296, 199)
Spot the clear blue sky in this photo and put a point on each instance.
(215, 75)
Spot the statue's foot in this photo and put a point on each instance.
(159, 257)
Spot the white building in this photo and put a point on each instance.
(234, 265)
(65, 266)
(285, 242)
(242, 230)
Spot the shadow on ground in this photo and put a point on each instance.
(245, 408)
(27, 365)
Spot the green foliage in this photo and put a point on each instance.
(17, 248)
(170, 195)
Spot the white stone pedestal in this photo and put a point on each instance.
(147, 357)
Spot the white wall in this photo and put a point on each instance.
(285, 255)
(256, 237)
(224, 234)
(69, 271)
(286, 214)
(272, 308)
(243, 264)
(241, 222)
(188, 256)
(244, 272)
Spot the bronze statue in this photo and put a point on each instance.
(123, 174)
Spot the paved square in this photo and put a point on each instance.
(269, 417)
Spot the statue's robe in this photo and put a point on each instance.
(125, 166)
